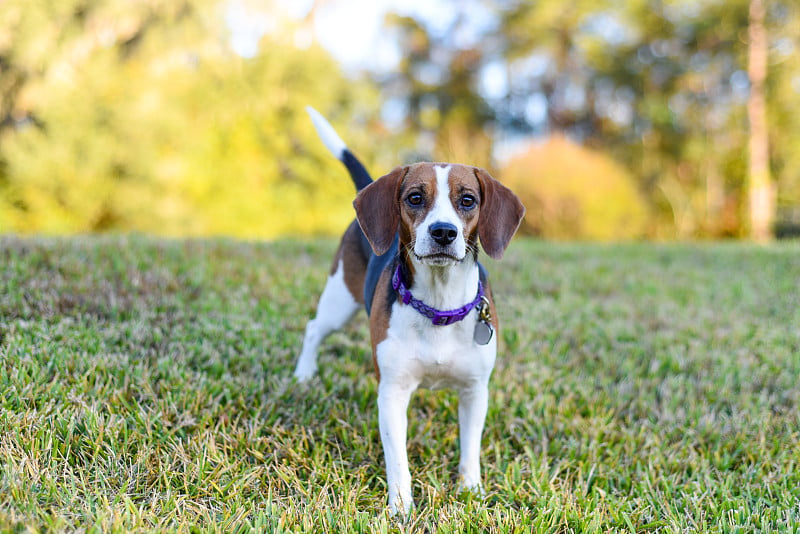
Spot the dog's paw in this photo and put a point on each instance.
(471, 486)
(304, 373)
(400, 506)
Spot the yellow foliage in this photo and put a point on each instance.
(575, 193)
(181, 136)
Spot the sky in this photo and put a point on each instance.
(351, 30)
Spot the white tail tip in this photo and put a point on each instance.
(327, 133)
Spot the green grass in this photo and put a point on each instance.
(145, 386)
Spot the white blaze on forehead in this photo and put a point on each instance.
(442, 207)
(442, 175)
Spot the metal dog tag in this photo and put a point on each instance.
(483, 333)
(483, 328)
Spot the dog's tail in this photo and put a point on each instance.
(338, 148)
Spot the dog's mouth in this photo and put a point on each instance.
(439, 259)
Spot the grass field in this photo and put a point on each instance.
(145, 386)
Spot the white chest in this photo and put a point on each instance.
(433, 356)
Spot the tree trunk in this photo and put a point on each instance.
(760, 188)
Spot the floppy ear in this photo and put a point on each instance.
(378, 211)
(500, 216)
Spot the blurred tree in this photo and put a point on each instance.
(436, 82)
(783, 114)
(72, 67)
(759, 185)
(139, 116)
(662, 86)
(648, 81)
(572, 192)
(546, 46)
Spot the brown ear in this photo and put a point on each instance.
(378, 211)
(500, 216)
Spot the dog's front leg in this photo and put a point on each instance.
(473, 402)
(393, 399)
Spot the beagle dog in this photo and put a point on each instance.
(411, 258)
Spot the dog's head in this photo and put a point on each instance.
(440, 211)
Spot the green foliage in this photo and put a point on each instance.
(138, 115)
(437, 81)
(574, 193)
(163, 129)
(145, 386)
(661, 86)
(783, 89)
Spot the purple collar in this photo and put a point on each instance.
(437, 317)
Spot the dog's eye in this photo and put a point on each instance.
(468, 202)
(415, 199)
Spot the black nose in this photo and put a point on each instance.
(443, 233)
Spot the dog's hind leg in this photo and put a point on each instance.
(336, 306)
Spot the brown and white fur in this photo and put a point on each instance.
(428, 217)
